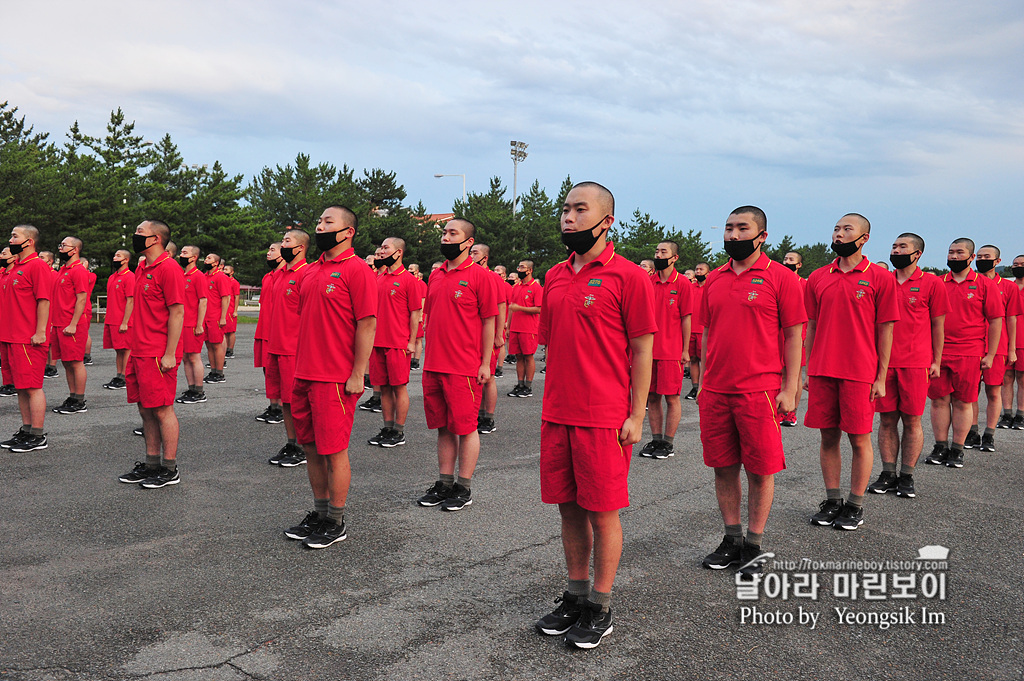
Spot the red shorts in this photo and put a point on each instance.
(419, 329)
(585, 465)
(323, 414)
(520, 343)
(147, 385)
(741, 428)
(1019, 364)
(279, 378)
(69, 348)
(389, 366)
(839, 403)
(906, 391)
(257, 353)
(959, 377)
(232, 325)
(190, 342)
(695, 341)
(214, 332)
(495, 352)
(994, 376)
(451, 401)
(113, 339)
(666, 377)
(24, 364)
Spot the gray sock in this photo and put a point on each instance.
(601, 598)
(990, 432)
(465, 482)
(35, 431)
(389, 424)
(171, 464)
(888, 467)
(833, 493)
(735, 533)
(199, 389)
(657, 437)
(320, 506)
(447, 480)
(956, 447)
(754, 538)
(121, 376)
(152, 462)
(26, 428)
(855, 500)
(489, 415)
(336, 513)
(1007, 412)
(292, 441)
(376, 393)
(528, 384)
(974, 428)
(399, 428)
(522, 384)
(944, 443)
(78, 398)
(671, 439)
(579, 587)
(1020, 412)
(906, 470)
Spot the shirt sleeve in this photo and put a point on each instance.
(42, 282)
(363, 289)
(1012, 301)
(791, 303)
(80, 279)
(638, 304)
(887, 305)
(994, 307)
(685, 301)
(938, 304)
(413, 299)
(172, 283)
(487, 294)
(129, 284)
(811, 297)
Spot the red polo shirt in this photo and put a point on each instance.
(120, 287)
(157, 287)
(973, 303)
(335, 294)
(696, 304)
(458, 301)
(847, 306)
(527, 295)
(398, 296)
(922, 298)
(30, 281)
(266, 302)
(672, 302)
(217, 287)
(195, 289)
(587, 321)
(1020, 320)
(1011, 306)
(284, 320)
(72, 279)
(235, 289)
(739, 308)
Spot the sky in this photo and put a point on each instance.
(909, 112)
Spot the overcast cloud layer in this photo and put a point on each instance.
(909, 112)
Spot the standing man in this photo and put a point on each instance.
(480, 254)
(23, 336)
(218, 293)
(696, 327)
(598, 324)
(48, 258)
(1016, 371)
(414, 270)
(524, 326)
(7, 262)
(794, 261)
(70, 323)
(975, 320)
(232, 326)
(337, 308)
(747, 303)
(117, 322)
(672, 305)
(462, 306)
(851, 309)
(1006, 354)
(155, 354)
(274, 413)
(399, 307)
(193, 332)
(915, 359)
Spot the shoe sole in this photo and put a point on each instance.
(954, 465)
(719, 567)
(273, 463)
(292, 465)
(552, 632)
(296, 537)
(453, 509)
(486, 432)
(787, 424)
(588, 646)
(904, 495)
(881, 491)
(162, 484)
(131, 482)
(646, 455)
(935, 462)
(114, 387)
(273, 422)
(430, 504)
(29, 449)
(988, 449)
(390, 445)
(324, 544)
(822, 523)
(847, 529)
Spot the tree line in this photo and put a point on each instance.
(99, 187)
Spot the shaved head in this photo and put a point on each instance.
(605, 200)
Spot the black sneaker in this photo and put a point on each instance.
(372, 404)
(87, 360)
(139, 432)
(559, 620)
(752, 561)
(305, 528)
(458, 498)
(525, 392)
(394, 439)
(214, 377)
(116, 384)
(1016, 424)
(592, 626)
(973, 440)
(727, 553)
(193, 397)
(905, 487)
(828, 511)
(180, 399)
(296, 457)
(514, 392)
(18, 437)
(485, 426)
(435, 495)
(30, 443)
(379, 437)
(262, 418)
(74, 407)
(886, 483)
(955, 459)
(648, 449)
(988, 443)
(163, 477)
(414, 364)
(228, 354)
(692, 395)
(8, 390)
(665, 449)
(498, 372)
(50, 372)
(510, 359)
(939, 454)
(281, 453)
(327, 532)
(850, 518)
(137, 474)
(1005, 421)
(275, 416)
(366, 381)
(62, 405)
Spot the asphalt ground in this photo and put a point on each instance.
(102, 580)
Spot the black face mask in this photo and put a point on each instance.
(791, 266)
(661, 264)
(63, 257)
(272, 264)
(17, 248)
(325, 241)
(582, 241)
(288, 252)
(958, 266)
(386, 262)
(139, 242)
(741, 250)
(204, 267)
(452, 251)
(183, 261)
(984, 265)
(522, 276)
(1018, 272)
(844, 249)
(902, 260)
(700, 278)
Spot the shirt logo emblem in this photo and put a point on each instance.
(594, 282)
(463, 283)
(913, 299)
(863, 283)
(591, 299)
(973, 287)
(149, 276)
(752, 295)
(757, 280)
(458, 294)
(969, 296)
(860, 294)
(336, 275)
(392, 292)
(292, 282)
(330, 288)
(674, 292)
(915, 289)
(288, 291)
(145, 287)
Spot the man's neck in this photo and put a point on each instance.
(452, 264)
(154, 253)
(961, 275)
(991, 274)
(590, 256)
(666, 274)
(397, 267)
(739, 267)
(906, 273)
(848, 264)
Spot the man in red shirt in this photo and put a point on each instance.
(337, 319)
(399, 307)
(672, 305)
(232, 326)
(462, 306)
(972, 329)
(1010, 419)
(91, 284)
(1006, 354)
(480, 254)
(917, 340)
(23, 336)
(48, 258)
(117, 321)
(284, 340)
(793, 262)
(7, 262)
(69, 319)
(750, 298)
(193, 332)
(851, 308)
(598, 324)
(696, 327)
(274, 413)
(524, 326)
(414, 270)
(156, 350)
(505, 292)
(219, 296)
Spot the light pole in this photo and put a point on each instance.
(456, 175)
(518, 154)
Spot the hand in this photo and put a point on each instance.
(38, 338)
(986, 361)
(877, 389)
(222, 323)
(499, 340)
(685, 359)
(198, 331)
(411, 349)
(123, 328)
(483, 374)
(1011, 356)
(70, 330)
(934, 370)
(354, 385)
(631, 431)
(167, 363)
(805, 382)
(785, 401)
